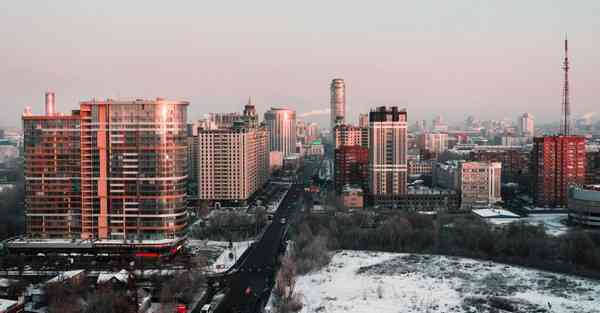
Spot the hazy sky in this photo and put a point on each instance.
(492, 59)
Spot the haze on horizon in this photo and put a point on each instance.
(453, 58)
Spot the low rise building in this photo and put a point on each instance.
(584, 205)
(352, 198)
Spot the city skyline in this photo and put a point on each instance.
(487, 67)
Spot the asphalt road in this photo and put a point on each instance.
(251, 287)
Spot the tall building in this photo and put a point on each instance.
(52, 170)
(281, 123)
(112, 170)
(363, 120)
(515, 161)
(250, 115)
(312, 132)
(557, 162)
(301, 130)
(438, 125)
(233, 162)
(349, 135)
(222, 120)
(338, 101)
(593, 167)
(387, 154)
(479, 183)
(351, 167)
(433, 143)
(526, 125)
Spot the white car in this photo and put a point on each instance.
(205, 308)
(283, 221)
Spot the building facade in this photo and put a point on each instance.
(526, 125)
(281, 124)
(479, 183)
(112, 170)
(349, 135)
(52, 170)
(515, 161)
(351, 167)
(233, 163)
(583, 202)
(433, 143)
(337, 91)
(557, 162)
(387, 154)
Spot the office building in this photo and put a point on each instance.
(338, 102)
(479, 183)
(387, 154)
(281, 124)
(557, 162)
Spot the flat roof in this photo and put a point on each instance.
(495, 213)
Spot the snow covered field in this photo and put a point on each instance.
(372, 282)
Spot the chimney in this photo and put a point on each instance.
(50, 103)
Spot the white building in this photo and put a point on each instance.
(479, 183)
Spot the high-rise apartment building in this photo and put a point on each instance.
(281, 124)
(351, 167)
(433, 143)
(112, 170)
(338, 101)
(479, 183)
(363, 120)
(349, 135)
(515, 160)
(312, 132)
(526, 125)
(387, 153)
(557, 162)
(233, 162)
(52, 170)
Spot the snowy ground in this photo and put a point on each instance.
(373, 282)
(220, 249)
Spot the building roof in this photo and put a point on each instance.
(6, 304)
(495, 213)
(122, 276)
(65, 276)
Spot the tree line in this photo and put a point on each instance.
(576, 252)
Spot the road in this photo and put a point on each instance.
(251, 285)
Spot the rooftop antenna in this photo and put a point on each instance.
(565, 123)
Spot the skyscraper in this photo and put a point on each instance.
(281, 123)
(526, 125)
(338, 101)
(387, 154)
(113, 170)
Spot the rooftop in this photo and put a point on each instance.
(495, 213)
